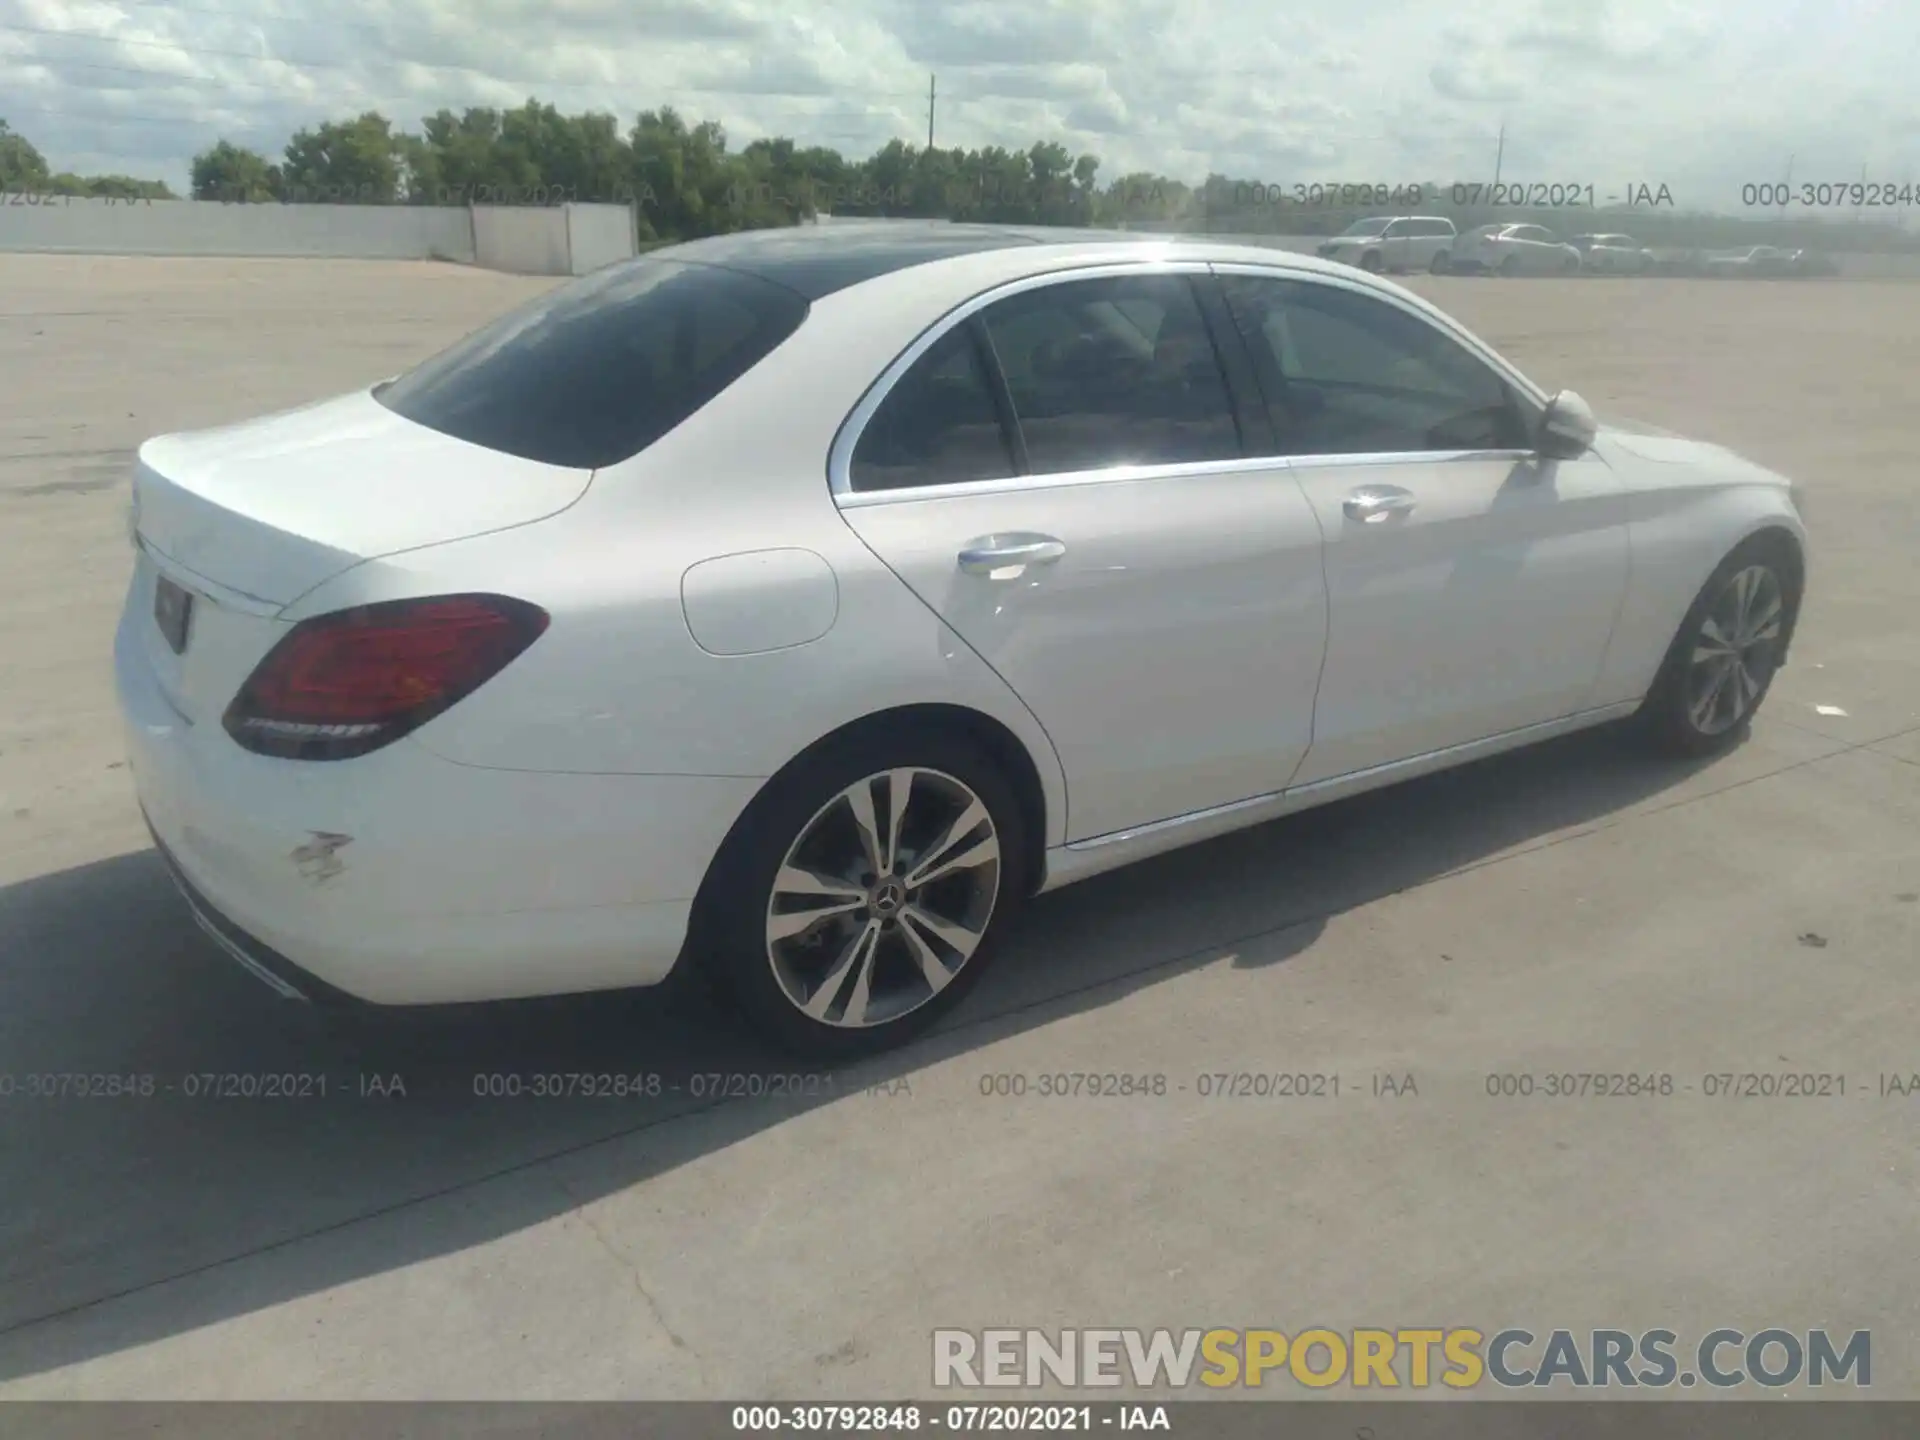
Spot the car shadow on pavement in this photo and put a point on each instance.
(102, 975)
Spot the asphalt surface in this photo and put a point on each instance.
(1572, 909)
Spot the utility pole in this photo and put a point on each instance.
(1499, 155)
(932, 81)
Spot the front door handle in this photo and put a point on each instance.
(1377, 503)
(984, 555)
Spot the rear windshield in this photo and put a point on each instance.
(595, 371)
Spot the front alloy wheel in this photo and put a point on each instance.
(1724, 658)
(1733, 652)
(883, 898)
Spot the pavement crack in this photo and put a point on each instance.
(627, 1264)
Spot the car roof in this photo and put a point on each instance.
(818, 260)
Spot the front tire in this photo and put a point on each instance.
(1441, 264)
(1722, 663)
(1371, 262)
(1510, 266)
(861, 897)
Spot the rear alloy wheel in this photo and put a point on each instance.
(852, 922)
(1725, 657)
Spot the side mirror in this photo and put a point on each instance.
(1567, 429)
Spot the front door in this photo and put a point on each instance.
(1061, 478)
(1472, 584)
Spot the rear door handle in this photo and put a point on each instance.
(987, 553)
(1377, 503)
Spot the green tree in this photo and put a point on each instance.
(121, 187)
(21, 166)
(582, 156)
(685, 183)
(234, 174)
(353, 162)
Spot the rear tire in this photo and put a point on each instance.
(1722, 662)
(816, 919)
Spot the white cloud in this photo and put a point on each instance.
(1700, 97)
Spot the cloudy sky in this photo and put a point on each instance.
(1699, 96)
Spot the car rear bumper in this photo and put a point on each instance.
(272, 969)
(403, 878)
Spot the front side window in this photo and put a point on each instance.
(1113, 371)
(1346, 374)
(937, 426)
(595, 371)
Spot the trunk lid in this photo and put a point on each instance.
(270, 508)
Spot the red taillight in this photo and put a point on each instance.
(340, 685)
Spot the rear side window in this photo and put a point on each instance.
(937, 426)
(593, 372)
(1113, 372)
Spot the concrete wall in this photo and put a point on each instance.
(85, 226)
(524, 239)
(521, 240)
(598, 235)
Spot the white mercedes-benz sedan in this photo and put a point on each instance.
(794, 605)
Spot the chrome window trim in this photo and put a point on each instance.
(1124, 474)
(840, 456)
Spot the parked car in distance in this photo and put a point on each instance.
(1808, 264)
(786, 608)
(1676, 261)
(1752, 261)
(1612, 254)
(1515, 249)
(1395, 244)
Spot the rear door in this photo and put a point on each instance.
(1060, 473)
(1539, 248)
(1397, 247)
(1472, 585)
